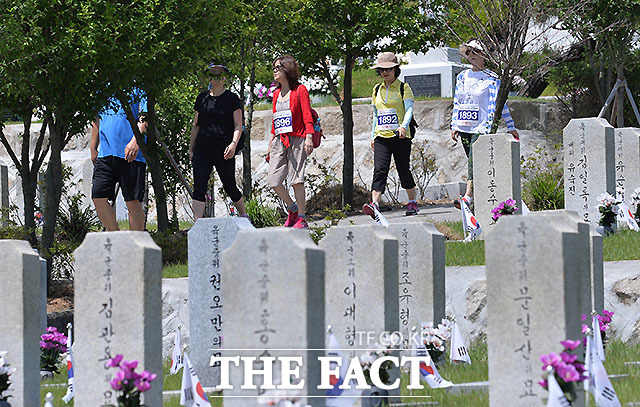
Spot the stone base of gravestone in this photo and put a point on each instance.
(21, 320)
(421, 277)
(208, 238)
(496, 176)
(589, 168)
(533, 301)
(118, 310)
(274, 306)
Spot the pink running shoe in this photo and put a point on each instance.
(301, 223)
(368, 209)
(412, 209)
(291, 219)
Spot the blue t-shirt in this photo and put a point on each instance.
(115, 130)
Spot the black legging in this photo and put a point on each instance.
(204, 162)
(400, 149)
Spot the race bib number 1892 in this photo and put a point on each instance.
(387, 119)
(468, 115)
(282, 122)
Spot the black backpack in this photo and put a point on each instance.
(412, 124)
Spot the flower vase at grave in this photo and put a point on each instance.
(375, 397)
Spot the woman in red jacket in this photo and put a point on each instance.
(291, 138)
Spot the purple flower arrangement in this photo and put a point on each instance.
(52, 345)
(567, 369)
(130, 383)
(603, 322)
(507, 207)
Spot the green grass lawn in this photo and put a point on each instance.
(622, 245)
(617, 354)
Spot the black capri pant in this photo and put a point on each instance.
(203, 163)
(400, 149)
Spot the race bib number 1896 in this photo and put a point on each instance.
(282, 122)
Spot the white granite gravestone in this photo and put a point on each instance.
(421, 277)
(533, 301)
(496, 175)
(118, 310)
(362, 285)
(4, 196)
(627, 159)
(20, 319)
(208, 238)
(589, 168)
(274, 306)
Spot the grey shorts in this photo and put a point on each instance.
(287, 161)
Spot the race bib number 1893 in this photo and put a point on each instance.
(468, 115)
(282, 122)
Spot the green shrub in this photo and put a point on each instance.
(74, 223)
(261, 214)
(14, 232)
(173, 245)
(543, 180)
(332, 219)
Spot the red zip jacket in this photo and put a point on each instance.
(300, 106)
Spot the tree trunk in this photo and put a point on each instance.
(247, 182)
(621, 90)
(52, 191)
(155, 168)
(151, 153)
(29, 182)
(503, 95)
(347, 129)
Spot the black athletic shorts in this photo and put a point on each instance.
(109, 170)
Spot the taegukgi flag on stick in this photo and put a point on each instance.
(428, 372)
(458, 349)
(337, 397)
(556, 395)
(602, 389)
(625, 216)
(70, 380)
(470, 225)
(598, 346)
(191, 392)
(176, 356)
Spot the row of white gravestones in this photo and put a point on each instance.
(275, 287)
(536, 294)
(496, 175)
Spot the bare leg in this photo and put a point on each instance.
(298, 191)
(106, 214)
(284, 195)
(239, 206)
(136, 215)
(375, 196)
(469, 188)
(198, 209)
(411, 194)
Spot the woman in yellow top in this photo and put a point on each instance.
(392, 103)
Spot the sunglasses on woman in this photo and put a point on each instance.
(385, 69)
(278, 68)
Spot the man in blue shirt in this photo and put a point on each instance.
(117, 159)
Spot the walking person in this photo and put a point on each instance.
(117, 158)
(216, 130)
(291, 138)
(391, 135)
(474, 105)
